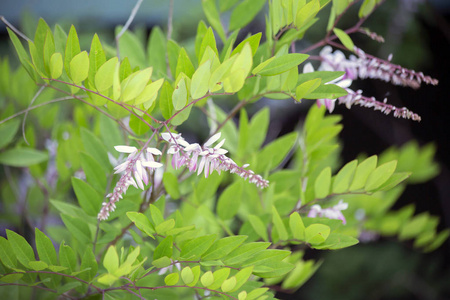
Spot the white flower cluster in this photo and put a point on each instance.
(134, 172)
(334, 212)
(211, 158)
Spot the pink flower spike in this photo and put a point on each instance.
(125, 149)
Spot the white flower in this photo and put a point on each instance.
(134, 172)
(334, 212)
(211, 158)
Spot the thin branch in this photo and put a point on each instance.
(80, 98)
(17, 31)
(170, 21)
(123, 105)
(26, 113)
(36, 106)
(127, 24)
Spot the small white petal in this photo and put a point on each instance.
(167, 136)
(220, 144)
(212, 139)
(308, 68)
(152, 164)
(192, 147)
(154, 151)
(125, 149)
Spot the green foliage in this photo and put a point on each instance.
(186, 234)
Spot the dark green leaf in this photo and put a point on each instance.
(22, 157)
(88, 198)
(22, 249)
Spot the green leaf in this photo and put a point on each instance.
(149, 94)
(438, 240)
(252, 40)
(343, 178)
(212, 14)
(173, 51)
(164, 248)
(297, 227)
(67, 258)
(72, 48)
(239, 71)
(141, 222)
(244, 13)
(95, 148)
(95, 175)
(10, 278)
(200, 80)
(56, 65)
(279, 225)
(22, 157)
(306, 13)
(184, 64)
(274, 153)
(165, 100)
(162, 262)
(326, 91)
(380, 175)
(8, 131)
(180, 95)
(88, 198)
(362, 172)
(21, 248)
(172, 279)
(22, 54)
(228, 284)
(223, 247)
(38, 265)
(219, 277)
(170, 182)
(45, 248)
(49, 50)
(259, 227)
(79, 67)
(105, 74)
(156, 51)
(263, 257)
(156, 214)
(316, 233)
(88, 262)
(280, 64)
(322, 184)
(97, 58)
(344, 38)
(111, 260)
(7, 255)
(229, 201)
(337, 241)
(135, 85)
(207, 279)
(131, 46)
(220, 73)
(306, 88)
(78, 228)
(193, 249)
(244, 252)
(187, 275)
(208, 40)
(366, 8)
(242, 277)
(165, 226)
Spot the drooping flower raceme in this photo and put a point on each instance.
(366, 66)
(134, 172)
(334, 212)
(206, 158)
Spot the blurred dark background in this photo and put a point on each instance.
(417, 33)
